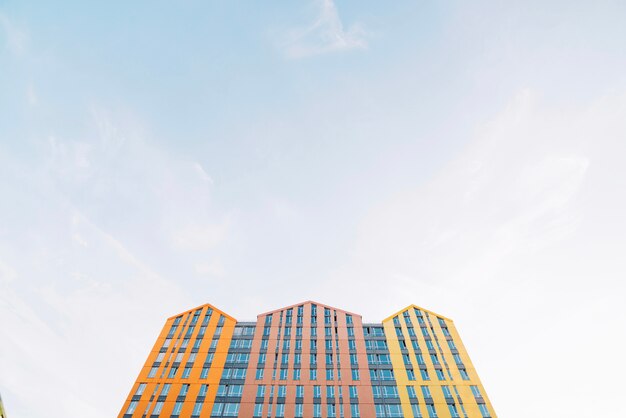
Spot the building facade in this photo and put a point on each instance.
(307, 361)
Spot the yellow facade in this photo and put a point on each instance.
(407, 333)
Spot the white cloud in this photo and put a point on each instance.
(325, 35)
(16, 37)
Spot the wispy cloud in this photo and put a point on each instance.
(16, 37)
(325, 35)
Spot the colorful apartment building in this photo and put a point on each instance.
(308, 360)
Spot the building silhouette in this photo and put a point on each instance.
(307, 360)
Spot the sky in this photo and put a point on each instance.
(466, 157)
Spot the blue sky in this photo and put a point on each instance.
(463, 157)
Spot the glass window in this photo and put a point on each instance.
(153, 372)
(313, 374)
(411, 391)
(354, 410)
(157, 408)
(282, 391)
(426, 392)
(317, 411)
(166, 389)
(299, 391)
(380, 411)
(329, 374)
(410, 374)
(186, 372)
(197, 408)
(280, 410)
(483, 410)
(258, 410)
(203, 390)
(424, 374)
(432, 412)
(231, 410)
(475, 391)
(394, 411)
(131, 407)
(353, 392)
(317, 391)
(296, 374)
(259, 374)
(416, 411)
(183, 390)
(178, 406)
(464, 374)
(331, 411)
(140, 389)
(440, 374)
(173, 371)
(299, 411)
(454, 413)
(355, 374)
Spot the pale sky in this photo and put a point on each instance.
(467, 157)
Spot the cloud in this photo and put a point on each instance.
(325, 35)
(16, 37)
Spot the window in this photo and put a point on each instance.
(299, 391)
(157, 408)
(178, 406)
(330, 391)
(483, 410)
(218, 407)
(209, 358)
(424, 374)
(440, 374)
(313, 374)
(186, 372)
(283, 374)
(231, 410)
(131, 407)
(197, 408)
(280, 410)
(239, 374)
(259, 374)
(296, 374)
(282, 391)
(317, 411)
(464, 374)
(173, 371)
(166, 389)
(298, 411)
(153, 372)
(140, 389)
(203, 390)
(205, 373)
(354, 410)
(410, 374)
(454, 413)
(317, 391)
(298, 344)
(475, 391)
(446, 392)
(394, 411)
(351, 345)
(258, 410)
(432, 412)
(331, 411)
(386, 375)
(390, 392)
(349, 319)
(376, 392)
(329, 374)
(416, 411)
(184, 389)
(380, 411)
(411, 391)
(426, 392)
(264, 344)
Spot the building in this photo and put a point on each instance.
(307, 360)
